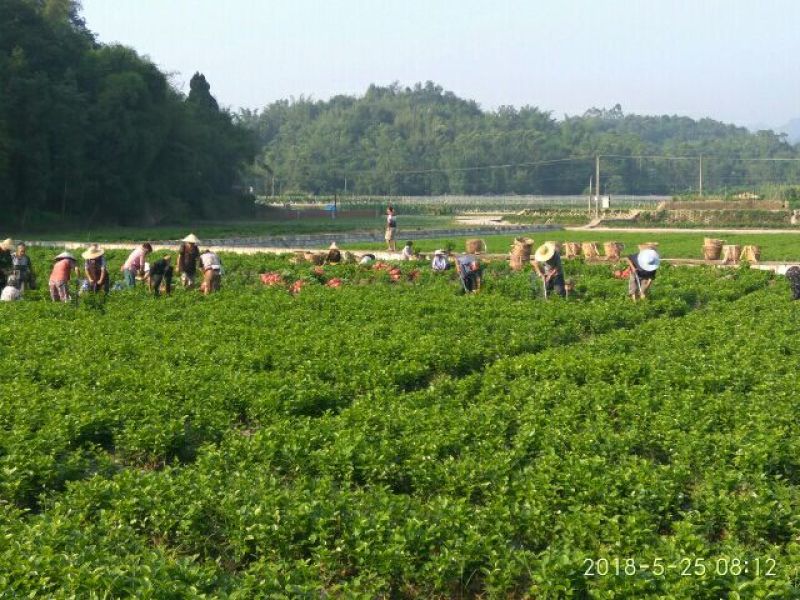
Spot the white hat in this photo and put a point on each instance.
(64, 255)
(191, 239)
(648, 260)
(439, 253)
(333, 246)
(544, 253)
(7, 244)
(94, 251)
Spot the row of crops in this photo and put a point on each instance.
(395, 439)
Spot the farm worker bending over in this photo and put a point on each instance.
(22, 268)
(439, 262)
(334, 256)
(186, 262)
(160, 271)
(643, 271)
(134, 265)
(469, 271)
(10, 293)
(391, 229)
(212, 272)
(547, 265)
(95, 269)
(63, 266)
(407, 253)
(366, 259)
(5, 260)
(793, 275)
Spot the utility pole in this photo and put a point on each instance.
(591, 185)
(273, 185)
(345, 185)
(597, 185)
(701, 175)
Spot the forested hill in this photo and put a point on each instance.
(424, 140)
(95, 132)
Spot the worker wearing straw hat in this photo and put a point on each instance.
(334, 256)
(187, 259)
(63, 266)
(439, 262)
(547, 266)
(642, 268)
(96, 269)
(5, 259)
(10, 292)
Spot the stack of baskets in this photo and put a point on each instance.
(712, 248)
(520, 253)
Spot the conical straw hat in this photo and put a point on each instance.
(94, 251)
(544, 253)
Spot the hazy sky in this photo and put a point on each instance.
(733, 60)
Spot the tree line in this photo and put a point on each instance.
(96, 133)
(424, 140)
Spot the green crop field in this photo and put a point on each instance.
(387, 437)
(774, 246)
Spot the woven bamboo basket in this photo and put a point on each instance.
(520, 253)
(751, 254)
(730, 253)
(648, 246)
(590, 250)
(613, 250)
(712, 248)
(475, 246)
(572, 249)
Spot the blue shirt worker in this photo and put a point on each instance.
(469, 271)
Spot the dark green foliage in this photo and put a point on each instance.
(390, 440)
(424, 140)
(96, 132)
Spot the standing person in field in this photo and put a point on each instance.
(95, 269)
(212, 272)
(5, 260)
(22, 268)
(160, 272)
(391, 229)
(469, 271)
(547, 266)
(134, 264)
(642, 268)
(187, 259)
(63, 267)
